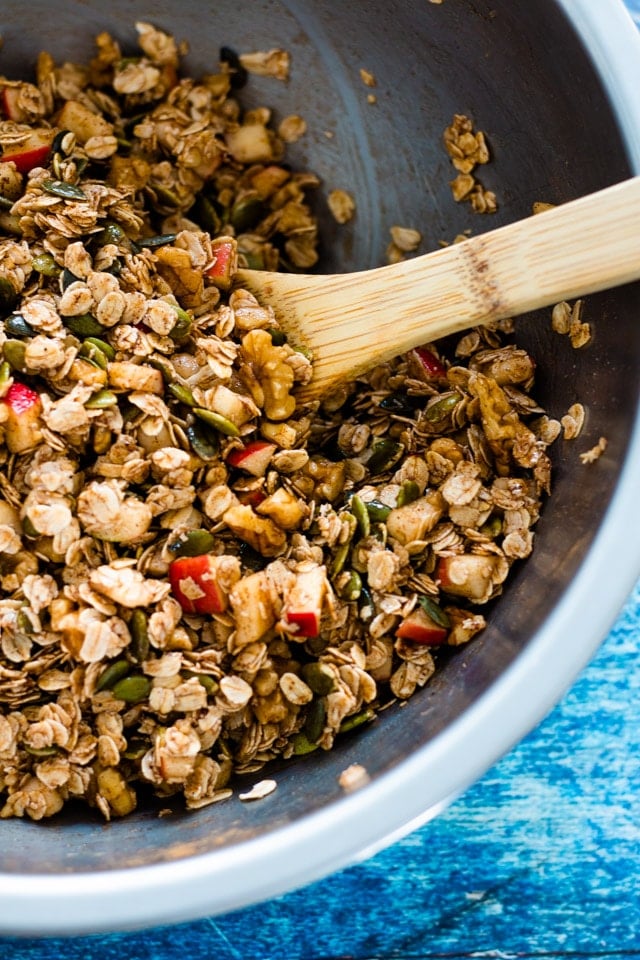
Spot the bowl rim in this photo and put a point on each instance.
(362, 823)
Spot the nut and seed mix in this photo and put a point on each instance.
(197, 573)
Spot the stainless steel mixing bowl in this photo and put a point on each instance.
(554, 85)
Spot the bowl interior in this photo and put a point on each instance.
(520, 72)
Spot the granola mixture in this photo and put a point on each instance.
(199, 575)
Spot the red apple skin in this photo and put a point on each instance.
(254, 458)
(307, 621)
(199, 570)
(10, 106)
(20, 398)
(220, 270)
(251, 498)
(27, 160)
(420, 628)
(430, 363)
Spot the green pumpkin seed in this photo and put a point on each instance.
(41, 751)
(319, 677)
(164, 366)
(5, 203)
(340, 558)
(492, 528)
(160, 240)
(397, 403)
(278, 337)
(111, 233)
(205, 213)
(45, 264)
(5, 371)
(352, 589)
(246, 213)
(102, 346)
(378, 511)
(138, 627)
(101, 399)
(302, 745)
(64, 142)
(434, 611)
(17, 326)
(203, 442)
(67, 278)
(182, 326)
(210, 685)
(357, 720)
(183, 394)
(384, 454)
(361, 514)
(166, 196)
(8, 296)
(253, 259)
(133, 689)
(216, 420)
(112, 674)
(193, 544)
(68, 191)
(136, 749)
(29, 530)
(250, 558)
(23, 622)
(441, 408)
(15, 352)
(365, 603)
(314, 720)
(94, 354)
(83, 325)
(409, 491)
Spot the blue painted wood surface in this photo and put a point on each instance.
(541, 858)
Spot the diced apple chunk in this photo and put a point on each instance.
(22, 425)
(414, 520)
(83, 122)
(254, 458)
(249, 143)
(234, 406)
(469, 575)
(252, 606)
(303, 606)
(201, 584)
(31, 153)
(421, 628)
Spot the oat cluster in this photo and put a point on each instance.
(467, 150)
(198, 574)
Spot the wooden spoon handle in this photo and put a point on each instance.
(351, 321)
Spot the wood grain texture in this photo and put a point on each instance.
(350, 321)
(539, 859)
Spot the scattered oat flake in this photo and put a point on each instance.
(539, 206)
(367, 78)
(354, 777)
(573, 421)
(267, 63)
(406, 238)
(292, 128)
(590, 456)
(342, 205)
(259, 790)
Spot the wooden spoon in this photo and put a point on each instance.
(352, 321)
